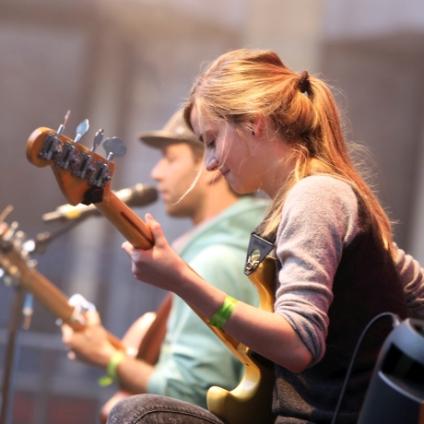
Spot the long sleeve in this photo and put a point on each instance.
(319, 218)
(412, 279)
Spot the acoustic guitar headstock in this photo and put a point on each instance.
(82, 174)
(15, 252)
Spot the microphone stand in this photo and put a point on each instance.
(43, 239)
(16, 316)
(9, 360)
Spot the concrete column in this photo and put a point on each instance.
(416, 233)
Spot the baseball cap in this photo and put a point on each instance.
(174, 131)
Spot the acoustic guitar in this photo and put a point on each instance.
(16, 263)
(85, 177)
(144, 337)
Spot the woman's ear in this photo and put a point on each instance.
(257, 126)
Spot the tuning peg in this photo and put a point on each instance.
(7, 280)
(97, 140)
(10, 231)
(18, 241)
(81, 130)
(114, 146)
(29, 246)
(65, 121)
(5, 213)
(32, 263)
(20, 237)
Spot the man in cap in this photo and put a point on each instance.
(191, 357)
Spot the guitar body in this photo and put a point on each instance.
(250, 401)
(144, 339)
(132, 340)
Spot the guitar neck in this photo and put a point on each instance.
(133, 228)
(149, 348)
(50, 296)
(129, 224)
(56, 302)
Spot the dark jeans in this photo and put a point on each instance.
(154, 409)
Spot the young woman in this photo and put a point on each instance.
(268, 128)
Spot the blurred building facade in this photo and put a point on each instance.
(126, 65)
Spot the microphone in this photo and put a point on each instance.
(137, 195)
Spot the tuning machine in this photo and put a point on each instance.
(81, 130)
(97, 139)
(114, 147)
(62, 126)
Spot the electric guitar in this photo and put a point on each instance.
(85, 177)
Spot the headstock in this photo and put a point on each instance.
(15, 258)
(82, 174)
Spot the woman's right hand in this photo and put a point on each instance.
(158, 266)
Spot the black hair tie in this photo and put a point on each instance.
(304, 83)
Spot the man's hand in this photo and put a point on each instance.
(90, 345)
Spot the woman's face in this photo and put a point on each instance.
(230, 149)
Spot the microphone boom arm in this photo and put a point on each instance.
(138, 195)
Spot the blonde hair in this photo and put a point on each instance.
(243, 84)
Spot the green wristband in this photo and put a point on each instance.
(223, 314)
(111, 368)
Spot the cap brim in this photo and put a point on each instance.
(158, 139)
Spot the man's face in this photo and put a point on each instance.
(174, 174)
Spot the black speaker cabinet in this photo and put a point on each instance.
(396, 391)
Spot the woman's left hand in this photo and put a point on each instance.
(158, 266)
